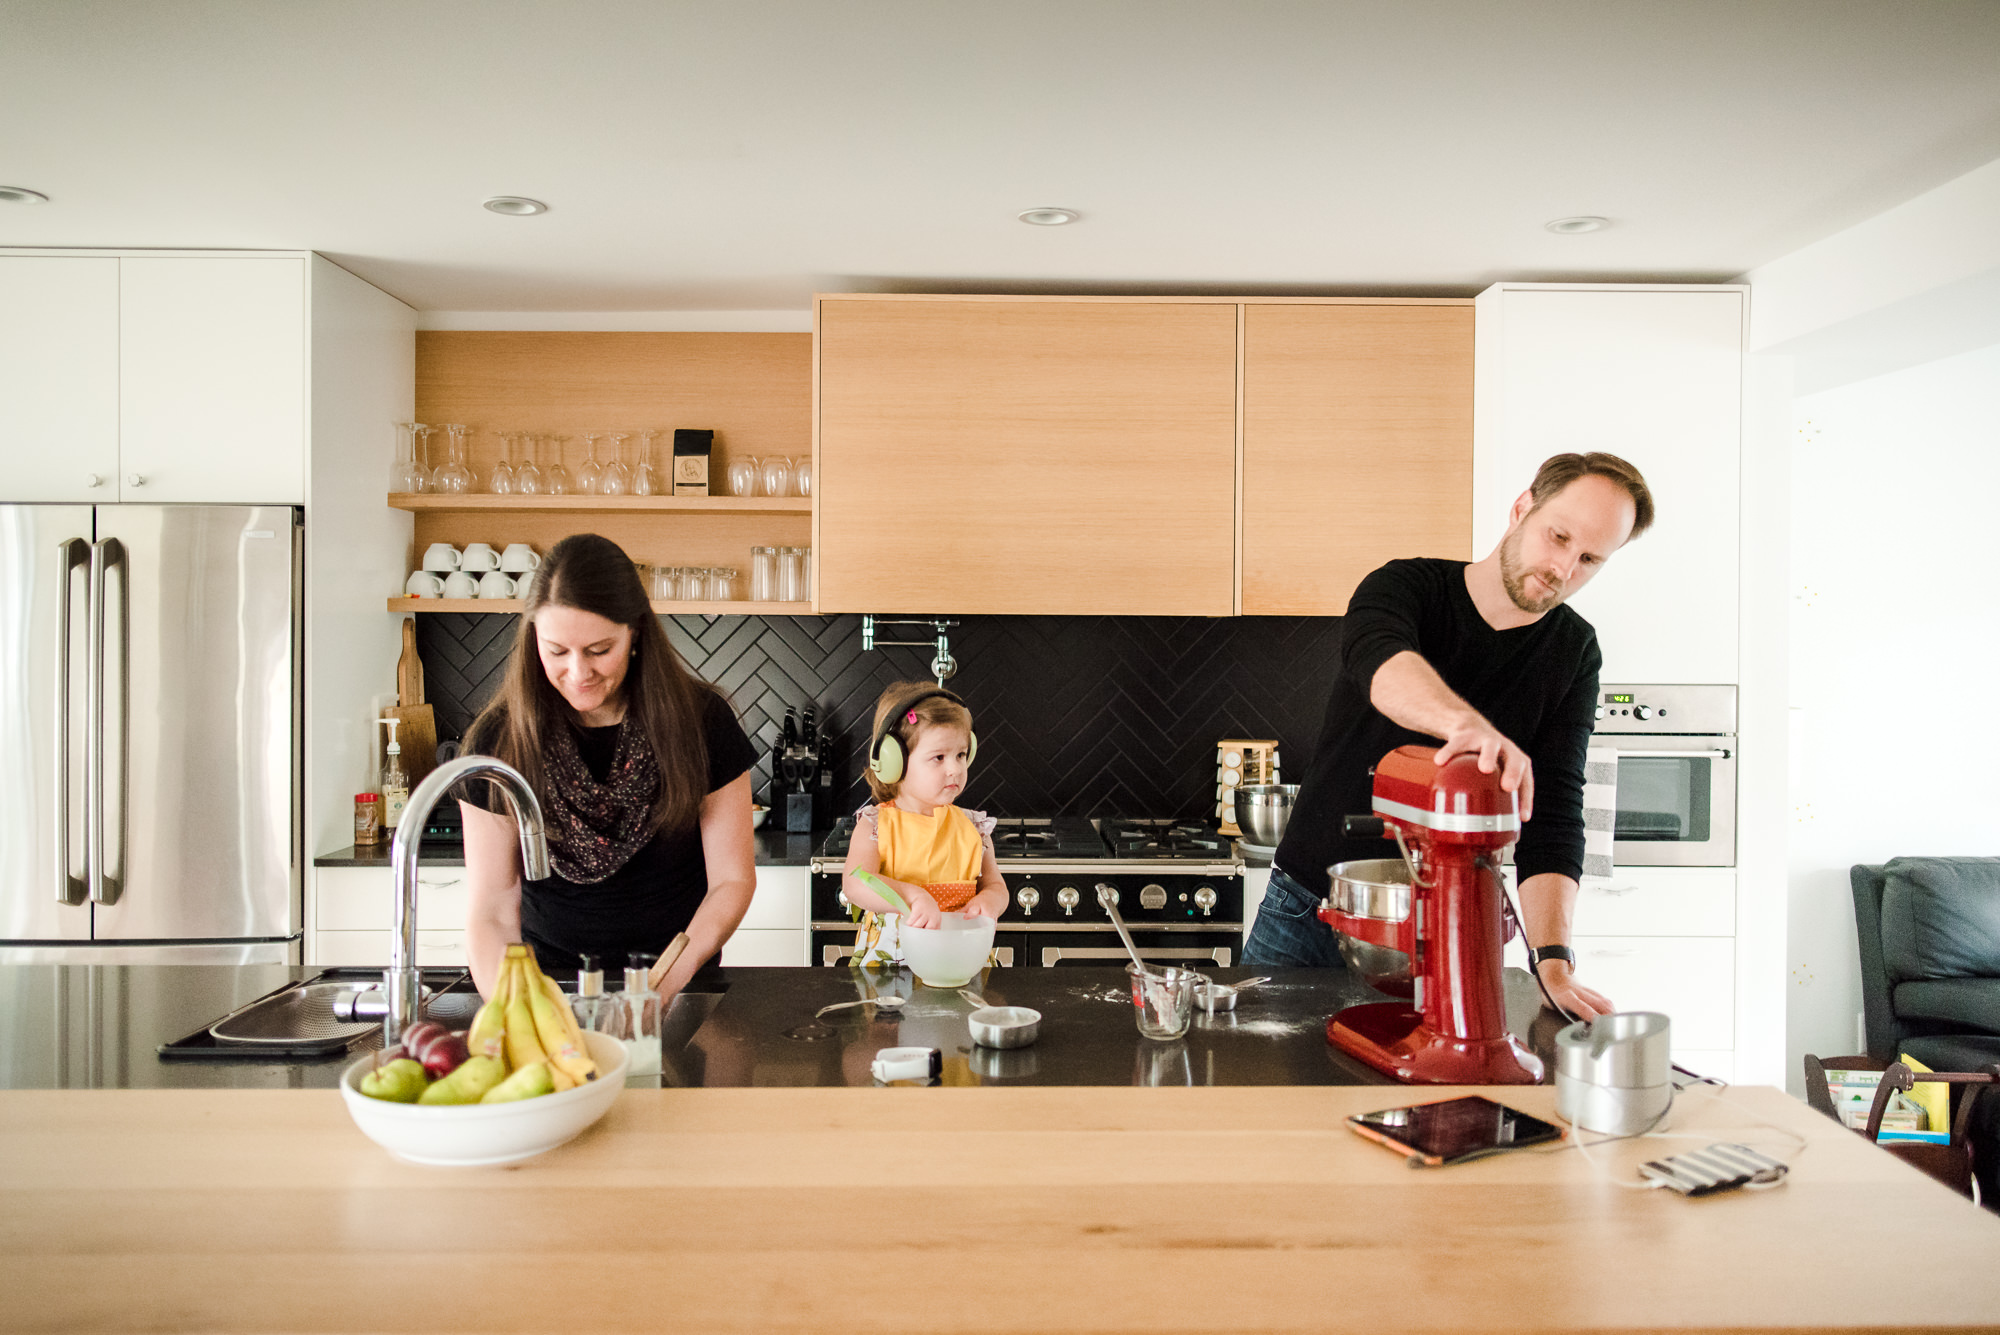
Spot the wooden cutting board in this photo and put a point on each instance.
(417, 726)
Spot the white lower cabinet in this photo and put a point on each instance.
(353, 915)
(1256, 880)
(371, 949)
(1689, 979)
(774, 931)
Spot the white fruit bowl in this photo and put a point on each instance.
(468, 1134)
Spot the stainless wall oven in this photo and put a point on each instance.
(1676, 777)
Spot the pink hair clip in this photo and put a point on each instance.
(910, 717)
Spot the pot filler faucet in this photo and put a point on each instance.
(400, 979)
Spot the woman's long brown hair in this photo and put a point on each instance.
(593, 574)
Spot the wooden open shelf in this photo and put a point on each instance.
(783, 505)
(665, 608)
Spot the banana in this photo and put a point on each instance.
(565, 1054)
(523, 1049)
(484, 1038)
(570, 1026)
(560, 1078)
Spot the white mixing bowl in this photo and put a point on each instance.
(950, 955)
(486, 1133)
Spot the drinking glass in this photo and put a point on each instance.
(528, 479)
(802, 475)
(791, 574)
(663, 584)
(1162, 1000)
(763, 574)
(614, 478)
(743, 476)
(587, 473)
(454, 478)
(721, 584)
(420, 477)
(775, 475)
(403, 473)
(558, 482)
(501, 480)
(644, 480)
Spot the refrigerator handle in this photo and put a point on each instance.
(72, 552)
(104, 553)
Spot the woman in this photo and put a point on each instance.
(643, 775)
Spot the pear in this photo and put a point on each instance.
(530, 1082)
(399, 1081)
(469, 1083)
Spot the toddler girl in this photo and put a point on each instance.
(938, 857)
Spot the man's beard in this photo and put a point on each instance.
(1515, 580)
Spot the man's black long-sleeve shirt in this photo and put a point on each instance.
(1536, 683)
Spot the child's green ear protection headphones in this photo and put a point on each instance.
(885, 753)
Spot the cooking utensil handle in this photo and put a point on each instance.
(1108, 897)
(73, 552)
(104, 554)
(667, 959)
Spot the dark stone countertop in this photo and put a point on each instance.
(775, 848)
(99, 1027)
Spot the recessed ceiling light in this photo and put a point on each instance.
(1580, 223)
(1049, 217)
(20, 194)
(517, 206)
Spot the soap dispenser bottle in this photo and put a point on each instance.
(395, 779)
(642, 1017)
(596, 1010)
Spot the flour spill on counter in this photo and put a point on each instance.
(1112, 994)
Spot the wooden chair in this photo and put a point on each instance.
(1951, 1164)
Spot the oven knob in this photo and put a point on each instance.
(1068, 898)
(841, 896)
(1204, 897)
(1600, 711)
(1110, 893)
(1641, 712)
(1152, 897)
(1028, 898)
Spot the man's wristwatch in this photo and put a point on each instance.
(1540, 953)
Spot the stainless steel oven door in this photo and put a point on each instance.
(1676, 801)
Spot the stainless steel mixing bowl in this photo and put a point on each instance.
(1262, 810)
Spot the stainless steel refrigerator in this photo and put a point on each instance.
(150, 724)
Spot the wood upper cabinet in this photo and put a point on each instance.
(1025, 456)
(1357, 446)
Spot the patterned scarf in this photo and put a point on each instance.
(595, 828)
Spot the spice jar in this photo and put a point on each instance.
(367, 818)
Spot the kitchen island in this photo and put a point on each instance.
(1009, 1208)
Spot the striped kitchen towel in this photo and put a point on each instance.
(1600, 811)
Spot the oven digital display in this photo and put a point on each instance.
(1624, 699)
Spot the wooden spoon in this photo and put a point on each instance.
(666, 960)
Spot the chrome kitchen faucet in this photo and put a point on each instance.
(400, 979)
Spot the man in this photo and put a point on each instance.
(1484, 658)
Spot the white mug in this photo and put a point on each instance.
(519, 559)
(441, 557)
(458, 584)
(493, 584)
(423, 584)
(479, 556)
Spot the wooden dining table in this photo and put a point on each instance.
(960, 1209)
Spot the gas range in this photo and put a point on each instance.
(1177, 884)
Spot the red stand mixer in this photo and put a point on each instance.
(1441, 906)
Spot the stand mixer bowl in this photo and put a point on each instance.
(1378, 889)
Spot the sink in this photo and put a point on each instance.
(686, 1013)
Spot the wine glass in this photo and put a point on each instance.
(403, 473)
(454, 478)
(528, 480)
(559, 483)
(802, 475)
(501, 480)
(615, 479)
(776, 475)
(587, 473)
(743, 476)
(644, 480)
(421, 478)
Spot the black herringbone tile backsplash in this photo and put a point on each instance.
(1075, 715)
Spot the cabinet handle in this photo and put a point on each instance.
(1610, 954)
(135, 479)
(1618, 889)
(94, 479)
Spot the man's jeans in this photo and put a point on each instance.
(1288, 933)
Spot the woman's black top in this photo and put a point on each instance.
(643, 904)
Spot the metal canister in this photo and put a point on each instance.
(1614, 1074)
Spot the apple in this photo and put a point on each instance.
(443, 1054)
(419, 1035)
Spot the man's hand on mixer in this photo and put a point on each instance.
(1475, 736)
(1572, 996)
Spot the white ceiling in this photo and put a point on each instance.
(741, 154)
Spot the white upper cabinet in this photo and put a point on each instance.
(1653, 375)
(58, 378)
(212, 387)
(153, 378)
